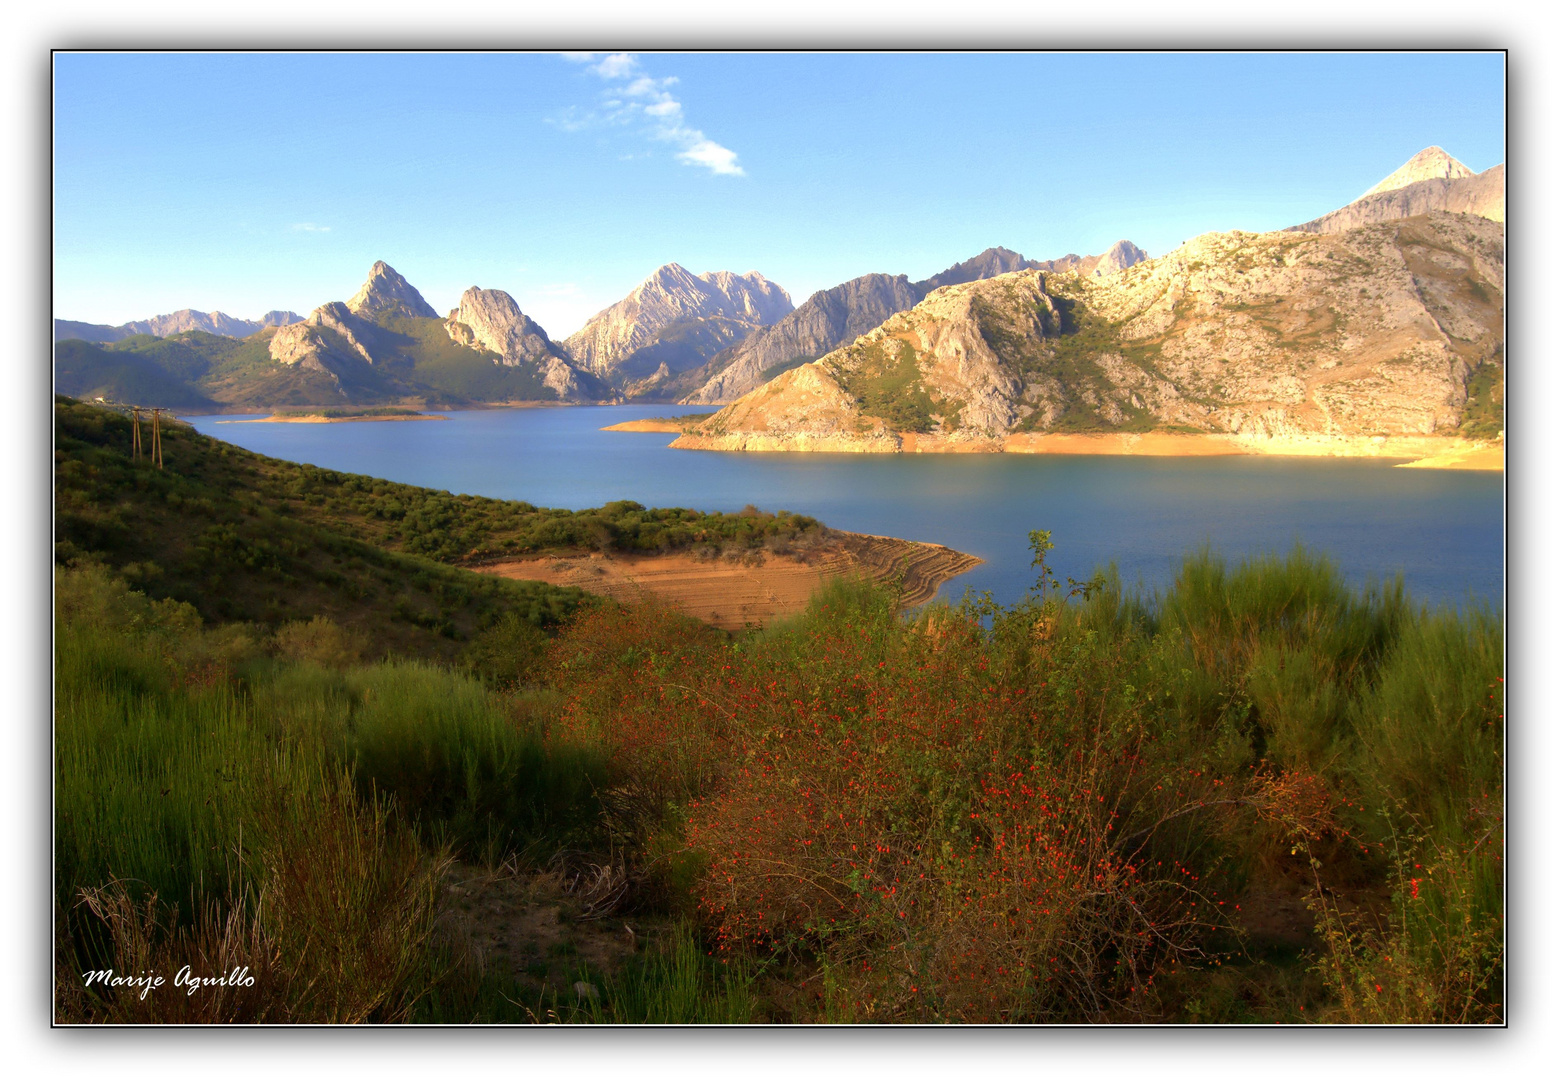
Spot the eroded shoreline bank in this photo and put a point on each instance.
(755, 588)
(1417, 451)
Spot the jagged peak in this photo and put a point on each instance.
(1428, 164)
(387, 290)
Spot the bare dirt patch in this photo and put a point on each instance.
(755, 588)
(530, 927)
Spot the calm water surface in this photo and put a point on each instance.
(1442, 530)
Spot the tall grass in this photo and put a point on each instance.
(219, 801)
(1042, 811)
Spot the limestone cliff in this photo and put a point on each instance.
(677, 319)
(490, 319)
(1375, 332)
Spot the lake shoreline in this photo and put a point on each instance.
(1416, 451)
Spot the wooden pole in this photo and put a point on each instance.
(156, 436)
(135, 438)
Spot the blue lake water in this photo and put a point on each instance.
(1443, 530)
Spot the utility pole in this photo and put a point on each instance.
(156, 437)
(135, 438)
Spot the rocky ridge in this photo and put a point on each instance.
(835, 316)
(1430, 164)
(818, 326)
(490, 319)
(1269, 338)
(386, 293)
(1431, 180)
(676, 319)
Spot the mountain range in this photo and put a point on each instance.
(180, 322)
(1384, 315)
(1387, 330)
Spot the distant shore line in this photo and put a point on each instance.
(307, 418)
(1414, 451)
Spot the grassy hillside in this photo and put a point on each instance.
(428, 360)
(244, 537)
(212, 530)
(88, 371)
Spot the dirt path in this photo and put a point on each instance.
(731, 594)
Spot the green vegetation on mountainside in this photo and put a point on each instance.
(1073, 337)
(415, 361)
(424, 357)
(1484, 414)
(890, 387)
(125, 373)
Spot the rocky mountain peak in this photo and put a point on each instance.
(491, 319)
(1430, 164)
(991, 262)
(386, 292)
(1122, 256)
(717, 308)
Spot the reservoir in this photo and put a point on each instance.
(1442, 530)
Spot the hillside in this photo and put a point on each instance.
(836, 316)
(245, 538)
(241, 536)
(1393, 329)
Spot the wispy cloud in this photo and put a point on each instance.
(308, 226)
(633, 98)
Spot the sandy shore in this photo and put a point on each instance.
(1486, 458)
(733, 594)
(669, 427)
(1420, 451)
(329, 419)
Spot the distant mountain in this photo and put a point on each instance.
(1391, 329)
(1122, 256)
(377, 348)
(818, 326)
(1432, 180)
(213, 322)
(674, 321)
(1430, 164)
(490, 319)
(836, 316)
(991, 262)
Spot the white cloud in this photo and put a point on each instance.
(308, 226)
(641, 100)
(616, 66)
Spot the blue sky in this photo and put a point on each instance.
(249, 182)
